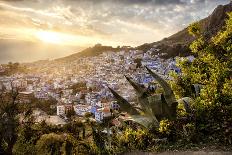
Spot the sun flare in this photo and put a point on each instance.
(49, 37)
(62, 38)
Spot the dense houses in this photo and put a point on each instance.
(56, 81)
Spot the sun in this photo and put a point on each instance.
(49, 37)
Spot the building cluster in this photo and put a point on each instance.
(82, 85)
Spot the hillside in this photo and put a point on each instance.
(175, 45)
(178, 43)
(92, 51)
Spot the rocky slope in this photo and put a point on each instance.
(178, 43)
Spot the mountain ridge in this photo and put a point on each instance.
(178, 43)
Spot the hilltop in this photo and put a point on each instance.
(92, 51)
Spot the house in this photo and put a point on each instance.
(93, 109)
(19, 83)
(81, 110)
(114, 105)
(103, 104)
(41, 95)
(60, 110)
(102, 113)
(25, 97)
(68, 107)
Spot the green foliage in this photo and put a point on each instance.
(26, 140)
(50, 144)
(70, 113)
(45, 105)
(197, 45)
(211, 68)
(57, 144)
(22, 147)
(194, 29)
(132, 139)
(138, 62)
(165, 127)
(75, 128)
(9, 121)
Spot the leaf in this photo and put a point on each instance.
(124, 104)
(159, 106)
(168, 93)
(145, 121)
(142, 97)
(155, 102)
(186, 102)
(139, 90)
(197, 89)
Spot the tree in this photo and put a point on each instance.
(212, 69)
(50, 144)
(45, 105)
(10, 113)
(28, 136)
(194, 29)
(138, 62)
(70, 113)
(9, 122)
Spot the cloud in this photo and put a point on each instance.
(110, 22)
(130, 21)
(160, 2)
(12, 0)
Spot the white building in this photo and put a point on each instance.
(60, 110)
(103, 104)
(81, 109)
(102, 113)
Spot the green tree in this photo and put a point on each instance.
(9, 121)
(28, 136)
(50, 144)
(211, 68)
(24, 146)
(138, 62)
(45, 105)
(194, 29)
(70, 113)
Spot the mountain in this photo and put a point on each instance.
(178, 44)
(175, 45)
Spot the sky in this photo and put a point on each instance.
(46, 29)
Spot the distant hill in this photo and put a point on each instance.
(175, 45)
(92, 51)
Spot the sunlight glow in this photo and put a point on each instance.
(61, 38)
(49, 37)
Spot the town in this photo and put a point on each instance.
(82, 85)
